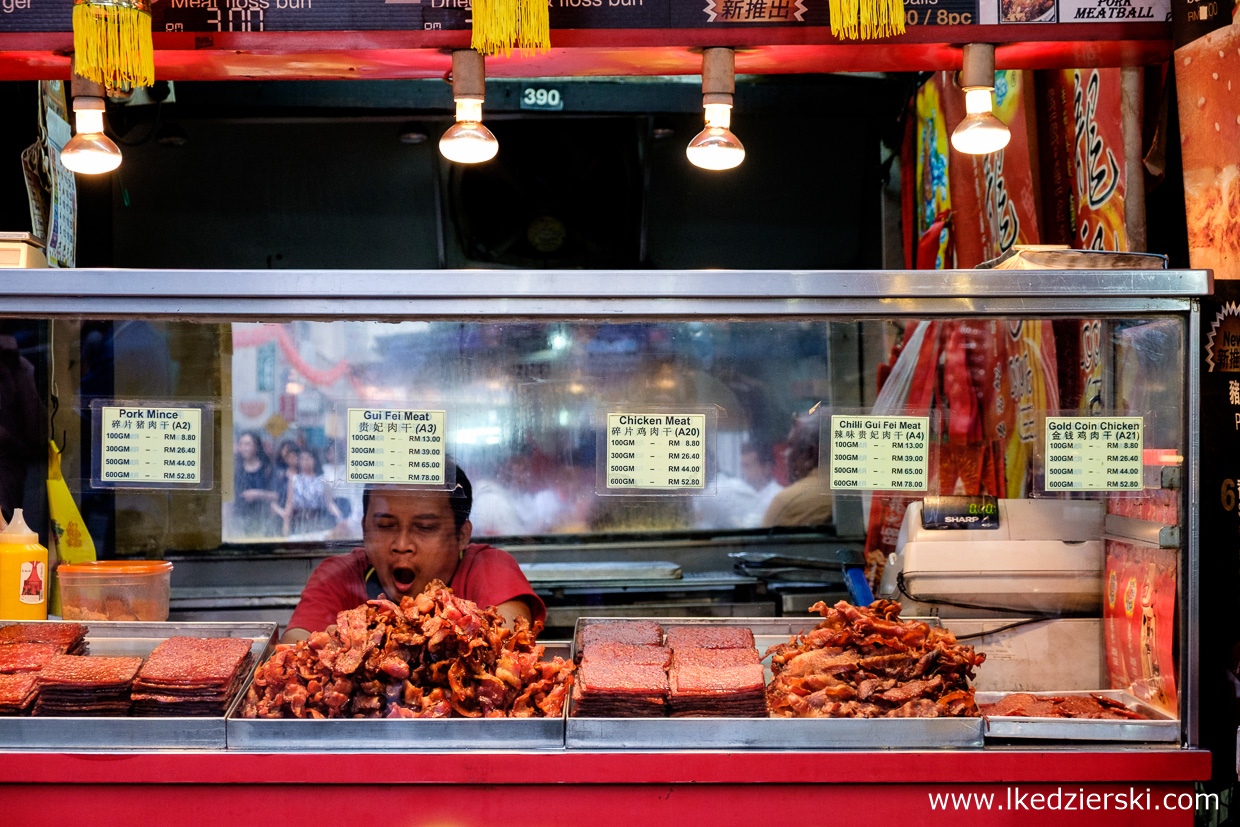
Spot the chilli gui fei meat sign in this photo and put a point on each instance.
(395, 446)
(656, 450)
(880, 453)
(151, 445)
(1093, 453)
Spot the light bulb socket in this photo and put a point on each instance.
(469, 77)
(718, 75)
(88, 104)
(82, 87)
(977, 70)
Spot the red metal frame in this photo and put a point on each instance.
(599, 789)
(417, 54)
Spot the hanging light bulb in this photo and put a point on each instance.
(467, 141)
(980, 133)
(89, 152)
(715, 147)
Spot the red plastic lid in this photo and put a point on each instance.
(116, 567)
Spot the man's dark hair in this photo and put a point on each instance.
(461, 499)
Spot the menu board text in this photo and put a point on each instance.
(150, 445)
(395, 446)
(661, 451)
(880, 453)
(1095, 453)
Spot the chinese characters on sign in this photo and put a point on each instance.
(658, 451)
(880, 453)
(1093, 453)
(150, 445)
(395, 446)
(755, 11)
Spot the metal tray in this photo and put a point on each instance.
(772, 733)
(766, 733)
(1160, 727)
(359, 734)
(124, 638)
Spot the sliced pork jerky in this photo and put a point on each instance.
(27, 657)
(88, 671)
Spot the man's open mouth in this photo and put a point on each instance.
(403, 577)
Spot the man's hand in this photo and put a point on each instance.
(513, 609)
(292, 635)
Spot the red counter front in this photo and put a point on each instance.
(680, 789)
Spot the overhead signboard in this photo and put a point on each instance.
(212, 16)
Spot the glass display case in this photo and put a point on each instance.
(1010, 454)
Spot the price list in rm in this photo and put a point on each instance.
(1094, 453)
(146, 444)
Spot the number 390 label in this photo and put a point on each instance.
(536, 97)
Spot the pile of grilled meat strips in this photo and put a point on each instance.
(435, 655)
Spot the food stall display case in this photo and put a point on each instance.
(520, 344)
(136, 639)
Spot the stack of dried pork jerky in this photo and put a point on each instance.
(188, 676)
(18, 692)
(716, 672)
(622, 672)
(70, 637)
(25, 648)
(626, 671)
(82, 685)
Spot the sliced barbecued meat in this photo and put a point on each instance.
(864, 661)
(1092, 705)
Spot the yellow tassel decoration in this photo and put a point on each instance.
(112, 44)
(499, 25)
(866, 19)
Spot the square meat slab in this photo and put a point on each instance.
(80, 671)
(627, 653)
(695, 679)
(622, 679)
(709, 637)
(17, 690)
(636, 632)
(27, 657)
(67, 634)
(714, 657)
(194, 661)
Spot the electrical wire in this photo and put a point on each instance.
(1014, 625)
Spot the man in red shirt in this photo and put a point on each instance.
(410, 538)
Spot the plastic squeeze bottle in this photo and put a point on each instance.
(23, 572)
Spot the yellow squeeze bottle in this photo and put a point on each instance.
(23, 572)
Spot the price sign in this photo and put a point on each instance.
(1093, 453)
(149, 444)
(663, 451)
(542, 98)
(880, 453)
(395, 446)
